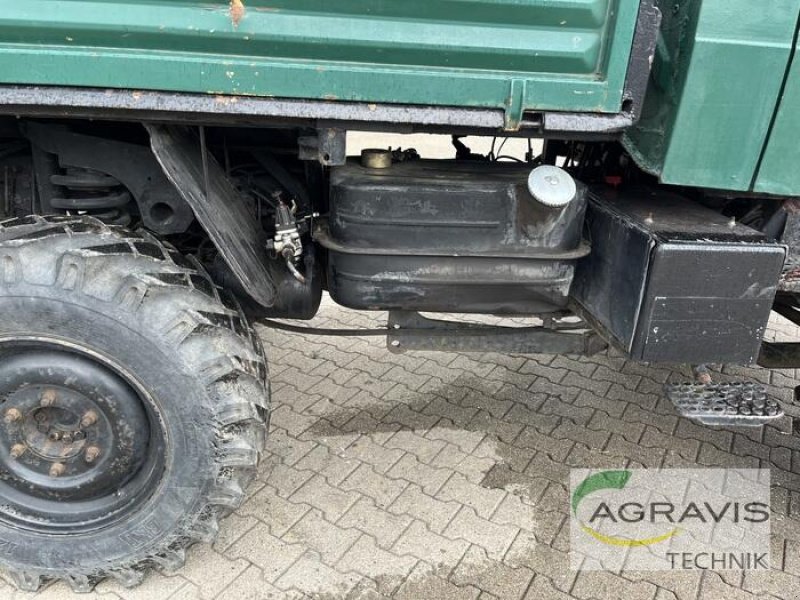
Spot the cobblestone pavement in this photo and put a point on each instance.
(427, 476)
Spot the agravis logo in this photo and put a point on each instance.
(653, 519)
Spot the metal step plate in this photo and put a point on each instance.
(729, 403)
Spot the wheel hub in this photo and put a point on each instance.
(72, 433)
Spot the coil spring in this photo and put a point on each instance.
(94, 193)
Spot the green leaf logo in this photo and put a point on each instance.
(610, 480)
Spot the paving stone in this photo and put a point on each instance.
(437, 550)
(541, 559)
(500, 477)
(602, 585)
(232, 528)
(514, 457)
(286, 480)
(377, 522)
(430, 479)
(322, 461)
(555, 447)
(366, 450)
(424, 583)
(459, 415)
(381, 489)
(474, 468)
(289, 448)
(581, 434)
(387, 569)
(210, 571)
(316, 579)
(447, 431)
(493, 538)
(649, 457)
(459, 489)
(328, 540)
(330, 500)
(505, 430)
(576, 415)
(774, 582)
(271, 554)
(416, 443)
(294, 423)
(611, 406)
(543, 589)
(154, 587)
(513, 511)
(251, 586)
(436, 514)
(601, 421)
(713, 586)
(499, 580)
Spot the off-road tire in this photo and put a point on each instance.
(156, 312)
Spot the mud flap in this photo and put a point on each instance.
(217, 206)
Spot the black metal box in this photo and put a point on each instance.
(669, 280)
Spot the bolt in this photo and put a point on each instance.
(92, 452)
(18, 450)
(89, 419)
(12, 414)
(57, 469)
(48, 398)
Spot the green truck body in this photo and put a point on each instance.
(722, 99)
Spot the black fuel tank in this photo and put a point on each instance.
(447, 236)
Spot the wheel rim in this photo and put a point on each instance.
(81, 446)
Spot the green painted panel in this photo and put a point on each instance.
(716, 81)
(553, 54)
(780, 166)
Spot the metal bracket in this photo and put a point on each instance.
(412, 331)
(329, 147)
(515, 105)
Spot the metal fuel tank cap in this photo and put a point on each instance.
(552, 186)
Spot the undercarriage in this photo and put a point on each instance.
(134, 257)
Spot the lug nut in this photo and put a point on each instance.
(12, 415)
(89, 419)
(92, 452)
(48, 398)
(17, 450)
(57, 469)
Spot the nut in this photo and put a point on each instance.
(48, 397)
(91, 454)
(57, 469)
(89, 419)
(17, 450)
(12, 415)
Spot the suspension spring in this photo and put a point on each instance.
(93, 193)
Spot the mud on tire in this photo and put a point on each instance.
(130, 311)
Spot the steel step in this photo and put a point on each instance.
(739, 403)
